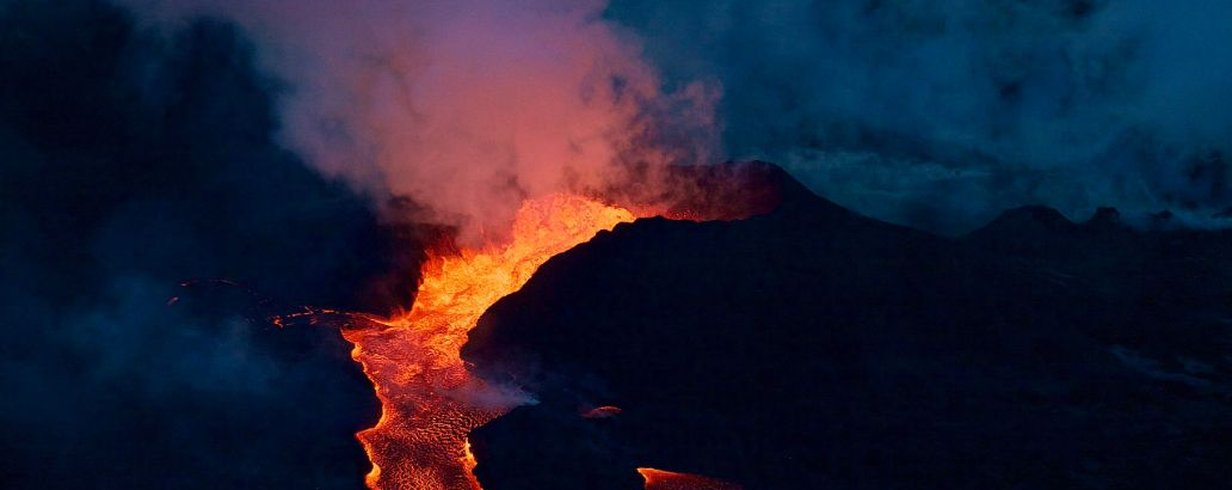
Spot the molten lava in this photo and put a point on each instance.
(667, 480)
(429, 401)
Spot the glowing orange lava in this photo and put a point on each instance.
(429, 401)
(667, 480)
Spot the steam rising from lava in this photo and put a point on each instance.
(472, 106)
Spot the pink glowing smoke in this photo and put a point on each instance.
(468, 106)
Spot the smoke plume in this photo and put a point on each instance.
(936, 115)
(468, 107)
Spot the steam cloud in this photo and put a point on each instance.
(469, 106)
(936, 115)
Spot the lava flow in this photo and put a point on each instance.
(429, 401)
(667, 480)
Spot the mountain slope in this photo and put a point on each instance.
(815, 348)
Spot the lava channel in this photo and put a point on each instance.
(429, 400)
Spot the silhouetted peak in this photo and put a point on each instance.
(734, 190)
(789, 189)
(1028, 219)
(1105, 216)
(1027, 230)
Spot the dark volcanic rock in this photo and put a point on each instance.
(815, 348)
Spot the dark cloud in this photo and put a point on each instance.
(131, 160)
(942, 114)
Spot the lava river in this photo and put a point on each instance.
(429, 401)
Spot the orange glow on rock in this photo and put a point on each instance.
(606, 411)
(429, 401)
(667, 480)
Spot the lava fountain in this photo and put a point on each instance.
(429, 400)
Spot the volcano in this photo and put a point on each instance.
(458, 246)
(811, 347)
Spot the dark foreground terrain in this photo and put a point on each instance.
(815, 348)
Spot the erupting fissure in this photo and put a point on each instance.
(429, 401)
